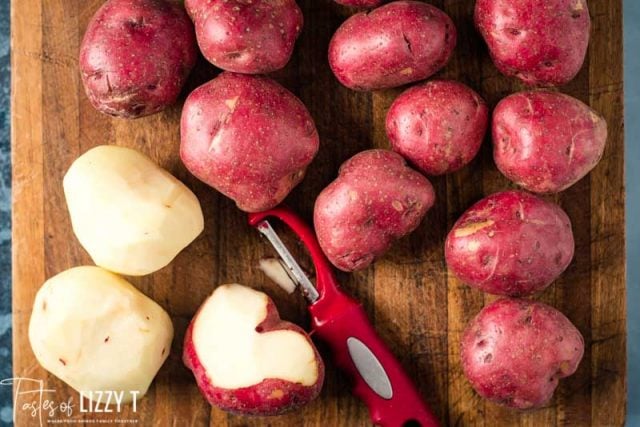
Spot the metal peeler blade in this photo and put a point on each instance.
(293, 268)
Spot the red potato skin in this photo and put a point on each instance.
(515, 351)
(258, 399)
(250, 37)
(541, 42)
(360, 3)
(546, 141)
(375, 200)
(510, 243)
(438, 126)
(136, 55)
(247, 137)
(395, 44)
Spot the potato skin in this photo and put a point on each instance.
(541, 42)
(437, 126)
(250, 37)
(375, 200)
(136, 55)
(510, 243)
(247, 137)
(395, 44)
(515, 351)
(257, 399)
(546, 141)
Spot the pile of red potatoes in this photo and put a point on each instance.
(252, 140)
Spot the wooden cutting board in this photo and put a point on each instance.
(418, 308)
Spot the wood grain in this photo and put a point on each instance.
(418, 307)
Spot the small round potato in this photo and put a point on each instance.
(375, 200)
(510, 243)
(136, 55)
(438, 126)
(546, 141)
(96, 332)
(515, 351)
(395, 44)
(250, 37)
(249, 138)
(541, 42)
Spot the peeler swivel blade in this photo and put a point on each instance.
(295, 272)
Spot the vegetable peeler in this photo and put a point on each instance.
(341, 322)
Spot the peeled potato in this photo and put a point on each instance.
(132, 216)
(96, 332)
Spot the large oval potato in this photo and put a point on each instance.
(395, 44)
(96, 332)
(136, 55)
(247, 137)
(510, 243)
(546, 141)
(129, 214)
(538, 41)
(375, 200)
(438, 126)
(515, 351)
(251, 37)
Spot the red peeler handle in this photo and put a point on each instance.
(378, 378)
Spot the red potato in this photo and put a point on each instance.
(438, 126)
(375, 200)
(515, 351)
(546, 141)
(510, 243)
(251, 37)
(360, 3)
(136, 55)
(247, 137)
(246, 359)
(541, 42)
(396, 44)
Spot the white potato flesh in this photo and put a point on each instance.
(274, 270)
(235, 355)
(96, 332)
(129, 214)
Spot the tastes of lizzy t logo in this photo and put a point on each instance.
(32, 398)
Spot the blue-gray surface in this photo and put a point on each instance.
(5, 217)
(632, 94)
(632, 139)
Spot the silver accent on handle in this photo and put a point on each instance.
(293, 268)
(370, 368)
